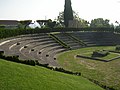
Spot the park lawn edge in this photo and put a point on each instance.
(16, 76)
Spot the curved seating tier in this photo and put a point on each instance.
(32, 47)
(44, 48)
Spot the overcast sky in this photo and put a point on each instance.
(41, 9)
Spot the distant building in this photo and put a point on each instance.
(9, 24)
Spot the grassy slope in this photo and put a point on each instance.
(14, 76)
(106, 73)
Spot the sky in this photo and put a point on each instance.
(49, 9)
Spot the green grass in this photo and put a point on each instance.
(107, 58)
(107, 73)
(14, 76)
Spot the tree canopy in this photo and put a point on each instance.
(100, 22)
(25, 23)
(46, 23)
(83, 23)
(68, 12)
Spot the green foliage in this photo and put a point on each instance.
(117, 48)
(15, 58)
(25, 23)
(51, 23)
(47, 23)
(83, 23)
(68, 12)
(100, 22)
(100, 53)
(4, 33)
(2, 26)
(1, 52)
(43, 23)
(29, 62)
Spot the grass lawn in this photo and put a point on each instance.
(111, 55)
(107, 73)
(14, 76)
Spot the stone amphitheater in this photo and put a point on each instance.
(45, 49)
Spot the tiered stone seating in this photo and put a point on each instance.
(43, 48)
(69, 41)
(32, 47)
(98, 38)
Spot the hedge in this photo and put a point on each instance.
(35, 62)
(4, 33)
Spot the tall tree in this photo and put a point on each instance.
(82, 22)
(100, 22)
(68, 12)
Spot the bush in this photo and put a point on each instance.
(15, 58)
(117, 48)
(29, 62)
(1, 53)
(100, 53)
(36, 62)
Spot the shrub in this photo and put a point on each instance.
(29, 62)
(15, 58)
(36, 62)
(100, 53)
(10, 58)
(44, 65)
(117, 48)
(1, 53)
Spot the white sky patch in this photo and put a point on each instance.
(49, 9)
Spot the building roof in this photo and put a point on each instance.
(9, 22)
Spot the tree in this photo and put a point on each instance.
(25, 23)
(51, 23)
(47, 23)
(68, 12)
(42, 23)
(83, 23)
(100, 22)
